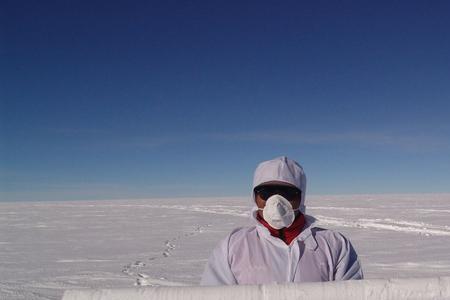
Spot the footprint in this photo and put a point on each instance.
(143, 275)
(169, 248)
(131, 268)
(138, 264)
(169, 245)
(126, 270)
(142, 282)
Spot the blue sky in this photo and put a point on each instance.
(141, 99)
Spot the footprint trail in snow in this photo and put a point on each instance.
(143, 279)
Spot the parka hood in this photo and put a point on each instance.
(284, 170)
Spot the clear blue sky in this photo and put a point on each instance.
(134, 99)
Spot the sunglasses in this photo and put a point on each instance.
(290, 193)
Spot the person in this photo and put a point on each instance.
(284, 245)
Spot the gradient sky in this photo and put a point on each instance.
(142, 99)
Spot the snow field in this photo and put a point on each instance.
(49, 247)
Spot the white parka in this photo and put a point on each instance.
(251, 255)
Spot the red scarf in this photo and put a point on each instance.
(286, 234)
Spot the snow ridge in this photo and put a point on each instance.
(421, 228)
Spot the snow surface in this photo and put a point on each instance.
(48, 247)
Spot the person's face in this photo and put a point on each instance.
(261, 198)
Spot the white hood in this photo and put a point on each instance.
(282, 169)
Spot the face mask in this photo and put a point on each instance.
(278, 212)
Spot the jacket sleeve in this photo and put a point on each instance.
(218, 270)
(348, 265)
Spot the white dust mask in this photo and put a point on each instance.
(278, 212)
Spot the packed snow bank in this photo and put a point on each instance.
(392, 289)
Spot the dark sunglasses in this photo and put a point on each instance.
(265, 192)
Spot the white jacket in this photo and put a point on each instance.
(250, 255)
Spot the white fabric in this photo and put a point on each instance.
(282, 169)
(278, 212)
(252, 256)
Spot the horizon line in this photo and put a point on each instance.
(227, 197)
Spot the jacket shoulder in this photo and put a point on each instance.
(327, 234)
(240, 233)
(332, 241)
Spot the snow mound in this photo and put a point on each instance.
(375, 289)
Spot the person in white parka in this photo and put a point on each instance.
(284, 245)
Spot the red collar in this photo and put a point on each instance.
(286, 234)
